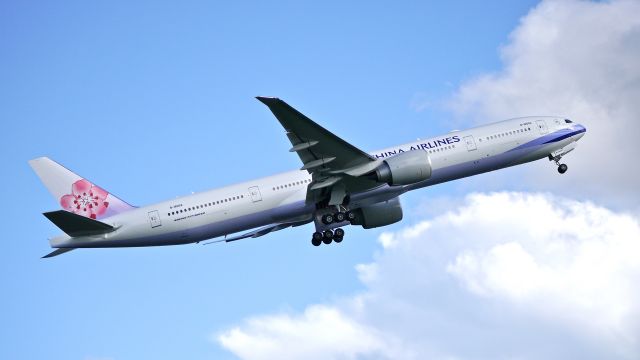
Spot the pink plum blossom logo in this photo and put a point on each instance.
(85, 199)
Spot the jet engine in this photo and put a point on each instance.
(404, 169)
(380, 214)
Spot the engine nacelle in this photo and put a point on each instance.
(405, 168)
(380, 214)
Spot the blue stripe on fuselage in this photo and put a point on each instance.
(551, 138)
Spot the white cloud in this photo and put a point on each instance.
(321, 332)
(577, 59)
(503, 275)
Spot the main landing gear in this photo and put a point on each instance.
(329, 235)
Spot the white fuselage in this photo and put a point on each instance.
(281, 197)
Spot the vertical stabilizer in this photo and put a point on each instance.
(76, 194)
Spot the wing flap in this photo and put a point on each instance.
(261, 231)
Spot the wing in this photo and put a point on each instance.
(335, 165)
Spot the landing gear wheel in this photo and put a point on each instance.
(339, 217)
(327, 236)
(338, 235)
(327, 219)
(316, 238)
(351, 216)
(563, 168)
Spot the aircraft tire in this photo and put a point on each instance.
(350, 216)
(339, 217)
(316, 238)
(563, 168)
(338, 235)
(327, 236)
(327, 219)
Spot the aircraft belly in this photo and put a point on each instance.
(134, 235)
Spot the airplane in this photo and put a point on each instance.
(337, 185)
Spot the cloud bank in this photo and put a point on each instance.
(576, 59)
(504, 275)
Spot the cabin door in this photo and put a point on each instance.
(471, 144)
(254, 191)
(542, 126)
(154, 219)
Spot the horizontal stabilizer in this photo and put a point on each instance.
(77, 225)
(57, 252)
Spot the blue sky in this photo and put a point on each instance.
(153, 100)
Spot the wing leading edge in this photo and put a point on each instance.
(334, 164)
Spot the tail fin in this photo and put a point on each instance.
(76, 194)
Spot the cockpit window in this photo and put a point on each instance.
(568, 121)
